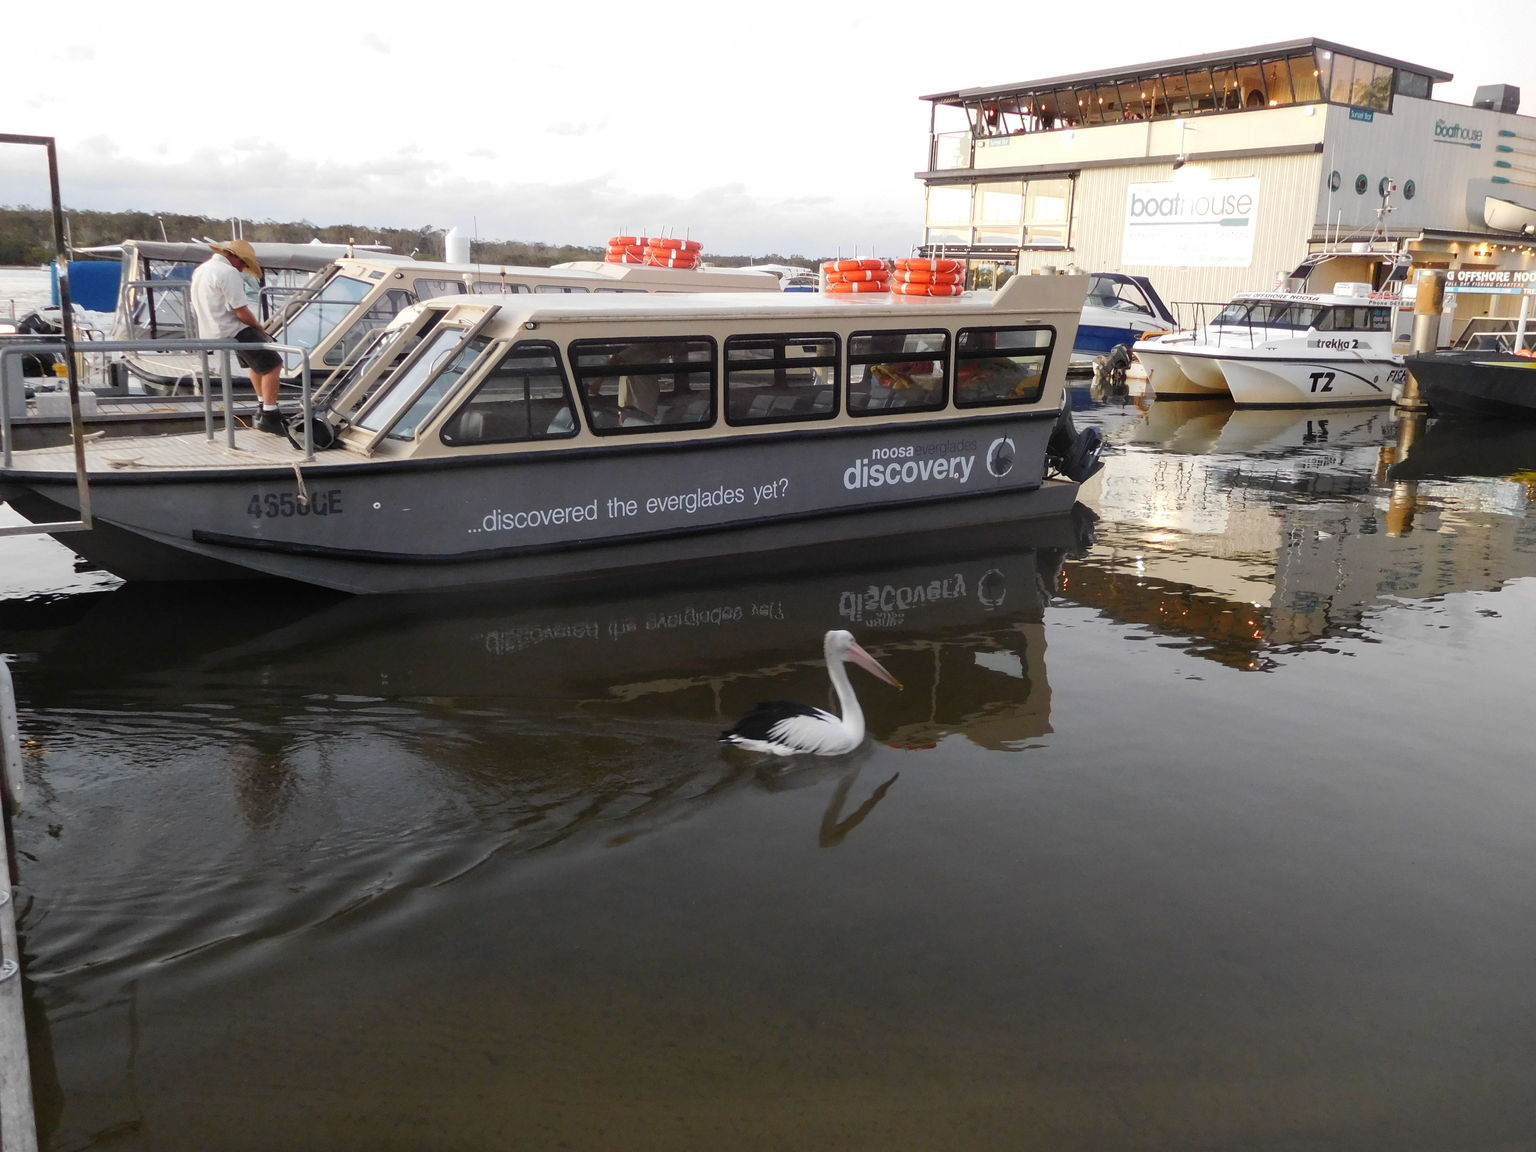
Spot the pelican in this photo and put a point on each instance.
(786, 728)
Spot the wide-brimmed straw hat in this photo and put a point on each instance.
(242, 251)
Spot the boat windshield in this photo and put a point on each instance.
(1290, 314)
(316, 318)
(444, 360)
(1118, 295)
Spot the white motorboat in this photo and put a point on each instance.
(1291, 348)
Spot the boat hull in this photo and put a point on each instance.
(1275, 381)
(1203, 370)
(1479, 384)
(1166, 378)
(560, 516)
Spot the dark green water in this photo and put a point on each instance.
(1209, 830)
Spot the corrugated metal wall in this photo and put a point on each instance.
(1290, 188)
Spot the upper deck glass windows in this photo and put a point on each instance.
(997, 367)
(646, 384)
(777, 378)
(897, 371)
(1305, 75)
(525, 397)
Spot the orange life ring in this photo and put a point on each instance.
(625, 250)
(862, 274)
(923, 264)
(860, 286)
(625, 241)
(854, 265)
(919, 277)
(673, 259)
(674, 244)
(612, 259)
(927, 289)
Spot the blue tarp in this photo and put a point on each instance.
(93, 284)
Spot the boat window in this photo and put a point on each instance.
(427, 289)
(380, 345)
(646, 385)
(1234, 314)
(498, 288)
(1358, 318)
(384, 309)
(525, 397)
(780, 378)
(897, 371)
(1121, 295)
(553, 289)
(443, 360)
(1001, 366)
(316, 318)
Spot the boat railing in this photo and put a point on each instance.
(13, 394)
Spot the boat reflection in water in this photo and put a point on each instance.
(957, 619)
(1281, 530)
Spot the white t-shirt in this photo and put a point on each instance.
(218, 288)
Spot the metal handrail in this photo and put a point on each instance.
(10, 359)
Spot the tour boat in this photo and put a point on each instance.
(489, 439)
(351, 296)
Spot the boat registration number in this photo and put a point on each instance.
(270, 505)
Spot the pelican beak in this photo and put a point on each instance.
(867, 662)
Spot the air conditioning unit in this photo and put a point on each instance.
(1497, 97)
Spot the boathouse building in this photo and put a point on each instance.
(1218, 173)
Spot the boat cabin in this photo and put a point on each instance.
(1340, 312)
(336, 311)
(480, 375)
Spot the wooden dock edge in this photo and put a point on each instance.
(18, 1125)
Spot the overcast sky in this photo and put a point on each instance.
(791, 126)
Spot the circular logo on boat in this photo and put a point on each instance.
(1000, 456)
(992, 589)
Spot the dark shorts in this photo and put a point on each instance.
(262, 359)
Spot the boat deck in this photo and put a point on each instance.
(153, 453)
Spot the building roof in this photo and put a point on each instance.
(1134, 71)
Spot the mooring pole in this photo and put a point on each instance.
(1428, 304)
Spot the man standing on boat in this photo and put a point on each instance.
(224, 313)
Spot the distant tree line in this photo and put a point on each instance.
(26, 237)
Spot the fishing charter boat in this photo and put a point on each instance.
(487, 439)
(1290, 348)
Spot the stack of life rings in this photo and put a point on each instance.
(857, 275)
(657, 251)
(921, 277)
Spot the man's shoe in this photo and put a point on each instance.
(269, 420)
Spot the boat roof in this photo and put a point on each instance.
(1022, 293)
(310, 256)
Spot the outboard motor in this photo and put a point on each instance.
(1073, 454)
(35, 324)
